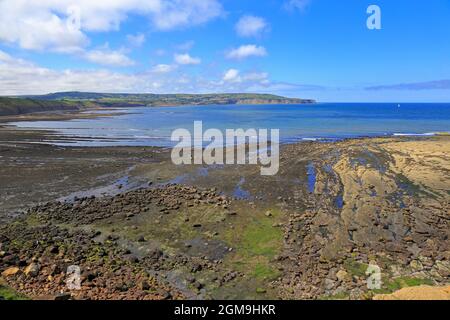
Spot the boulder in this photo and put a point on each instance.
(416, 265)
(62, 296)
(10, 272)
(32, 270)
(144, 285)
(343, 275)
(329, 284)
(443, 267)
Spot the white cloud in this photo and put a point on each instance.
(235, 76)
(108, 58)
(180, 13)
(136, 40)
(60, 25)
(251, 26)
(296, 4)
(186, 59)
(37, 29)
(163, 68)
(19, 76)
(246, 51)
(232, 75)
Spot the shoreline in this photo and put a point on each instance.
(81, 114)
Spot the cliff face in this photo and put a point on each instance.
(112, 99)
(77, 100)
(11, 106)
(172, 99)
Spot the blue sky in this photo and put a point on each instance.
(320, 49)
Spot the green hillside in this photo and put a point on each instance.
(77, 100)
(16, 106)
(108, 99)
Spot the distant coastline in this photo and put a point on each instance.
(17, 105)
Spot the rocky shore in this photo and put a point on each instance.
(139, 227)
(36, 253)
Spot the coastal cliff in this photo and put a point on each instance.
(85, 100)
(14, 106)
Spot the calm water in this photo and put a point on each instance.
(153, 126)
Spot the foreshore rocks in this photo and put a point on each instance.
(334, 211)
(365, 211)
(38, 263)
(90, 209)
(105, 272)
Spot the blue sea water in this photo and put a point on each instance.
(145, 126)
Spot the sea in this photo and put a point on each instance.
(153, 126)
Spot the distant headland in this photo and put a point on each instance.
(15, 105)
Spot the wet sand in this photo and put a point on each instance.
(142, 228)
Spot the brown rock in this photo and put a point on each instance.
(62, 296)
(32, 270)
(10, 272)
(143, 285)
(343, 276)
